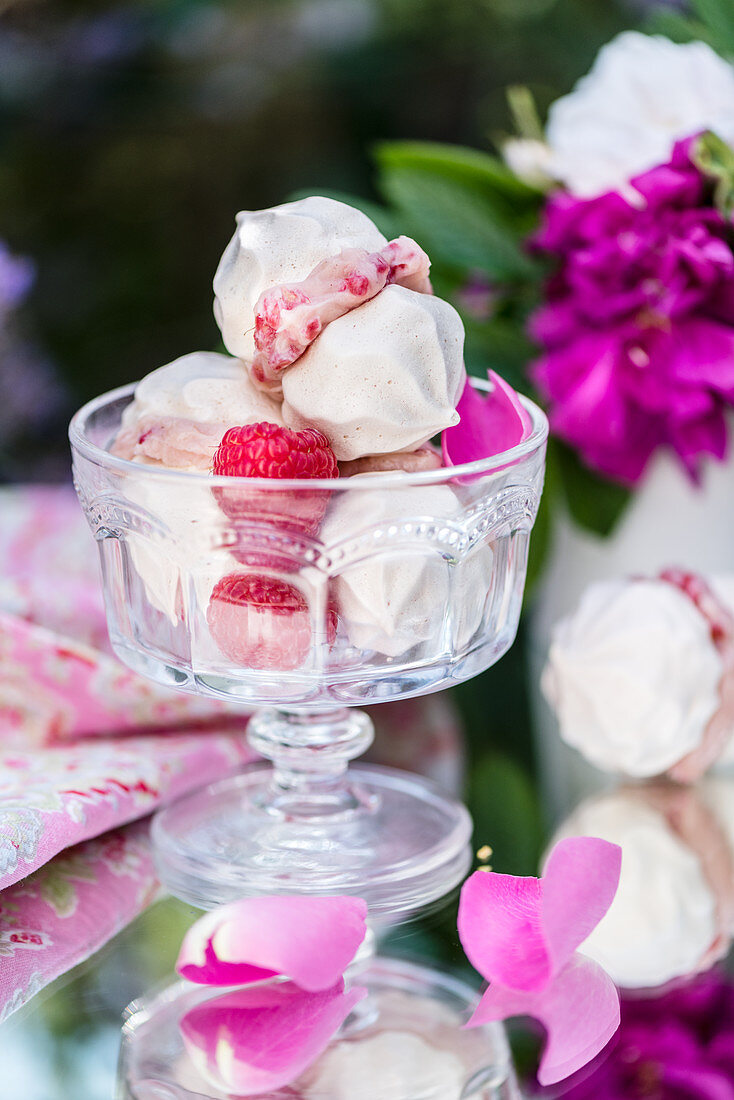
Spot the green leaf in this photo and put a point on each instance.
(385, 220)
(678, 28)
(499, 345)
(506, 814)
(718, 16)
(595, 503)
(472, 167)
(716, 159)
(524, 112)
(542, 533)
(455, 224)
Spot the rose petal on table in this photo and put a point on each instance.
(488, 425)
(521, 931)
(580, 879)
(261, 1038)
(579, 1009)
(310, 940)
(500, 929)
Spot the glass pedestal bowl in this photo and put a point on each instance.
(306, 598)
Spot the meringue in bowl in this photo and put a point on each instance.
(412, 582)
(307, 597)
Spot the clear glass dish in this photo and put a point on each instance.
(306, 598)
(426, 569)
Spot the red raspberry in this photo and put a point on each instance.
(262, 622)
(267, 450)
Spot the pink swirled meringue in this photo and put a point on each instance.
(385, 377)
(282, 244)
(289, 317)
(641, 676)
(182, 410)
(673, 914)
(176, 421)
(425, 458)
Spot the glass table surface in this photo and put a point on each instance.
(673, 916)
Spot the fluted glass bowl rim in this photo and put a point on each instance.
(398, 479)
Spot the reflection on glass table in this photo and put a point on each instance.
(666, 940)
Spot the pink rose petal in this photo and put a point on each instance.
(579, 882)
(259, 1039)
(579, 1009)
(500, 929)
(310, 940)
(489, 424)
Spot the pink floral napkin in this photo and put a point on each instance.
(52, 798)
(68, 909)
(54, 688)
(48, 563)
(59, 683)
(58, 677)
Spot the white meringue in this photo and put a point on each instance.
(282, 244)
(215, 392)
(177, 560)
(385, 377)
(633, 676)
(393, 598)
(203, 389)
(388, 1066)
(663, 919)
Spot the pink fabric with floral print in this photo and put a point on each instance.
(49, 572)
(53, 688)
(54, 797)
(60, 683)
(67, 910)
(53, 632)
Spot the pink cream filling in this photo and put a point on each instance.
(288, 318)
(720, 621)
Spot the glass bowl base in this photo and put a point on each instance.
(403, 1042)
(392, 838)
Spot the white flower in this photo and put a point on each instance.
(529, 159)
(641, 96)
(633, 676)
(663, 919)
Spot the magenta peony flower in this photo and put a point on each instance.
(638, 324)
(677, 1046)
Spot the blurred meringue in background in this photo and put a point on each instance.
(641, 675)
(673, 914)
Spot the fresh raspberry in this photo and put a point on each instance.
(267, 450)
(263, 622)
(262, 517)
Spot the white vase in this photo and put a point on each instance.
(668, 521)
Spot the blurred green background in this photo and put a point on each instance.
(131, 133)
